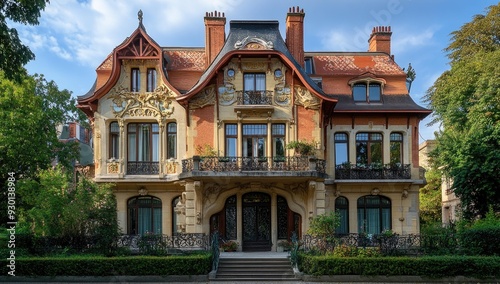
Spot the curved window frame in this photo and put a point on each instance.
(363, 90)
(374, 217)
(342, 208)
(140, 220)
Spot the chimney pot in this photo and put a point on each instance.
(380, 39)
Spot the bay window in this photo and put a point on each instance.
(143, 146)
(368, 149)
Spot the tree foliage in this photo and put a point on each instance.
(13, 53)
(57, 207)
(430, 199)
(466, 102)
(30, 111)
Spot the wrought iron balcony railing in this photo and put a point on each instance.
(373, 171)
(255, 97)
(143, 168)
(234, 164)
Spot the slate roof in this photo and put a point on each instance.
(268, 31)
(389, 104)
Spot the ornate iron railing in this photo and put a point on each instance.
(391, 244)
(233, 164)
(143, 168)
(254, 97)
(373, 171)
(183, 242)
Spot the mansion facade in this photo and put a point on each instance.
(196, 140)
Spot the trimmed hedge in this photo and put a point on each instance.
(481, 240)
(195, 264)
(434, 267)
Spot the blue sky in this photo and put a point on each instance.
(75, 36)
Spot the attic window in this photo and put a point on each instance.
(308, 65)
(367, 90)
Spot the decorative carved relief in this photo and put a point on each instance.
(204, 98)
(304, 98)
(253, 43)
(113, 167)
(254, 66)
(171, 167)
(156, 104)
(227, 95)
(299, 189)
(143, 191)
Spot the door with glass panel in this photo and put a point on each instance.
(254, 146)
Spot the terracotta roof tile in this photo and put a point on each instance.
(186, 60)
(353, 64)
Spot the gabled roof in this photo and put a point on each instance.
(264, 33)
(139, 45)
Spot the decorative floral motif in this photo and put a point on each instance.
(304, 98)
(204, 98)
(156, 104)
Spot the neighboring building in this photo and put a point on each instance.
(74, 132)
(450, 202)
(246, 96)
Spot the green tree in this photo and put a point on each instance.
(13, 53)
(466, 102)
(56, 207)
(30, 111)
(430, 199)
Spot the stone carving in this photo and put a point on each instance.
(204, 98)
(304, 98)
(113, 167)
(253, 43)
(156, 104)
(171, 167)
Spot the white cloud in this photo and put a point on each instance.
(87, 31)
(406, 41)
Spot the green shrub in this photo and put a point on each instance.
(354, 251)
(193, 264)
(435, 266)
(481, 237)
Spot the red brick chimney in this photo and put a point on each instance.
(215, 34)
(380, 40)
(295, 33)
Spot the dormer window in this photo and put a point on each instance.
(366, 92)
(308, 65)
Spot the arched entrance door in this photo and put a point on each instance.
(256, 222)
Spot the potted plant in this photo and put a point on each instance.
(229, 246)
(302, 147)
(284, 245)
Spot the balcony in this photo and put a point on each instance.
(273, 165)
(143, 168)
(373, 171)
(255, 97)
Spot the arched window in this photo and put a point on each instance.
(171, 140)
(144, 215)
(174, 215)
(342, 208)
(374, 214)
